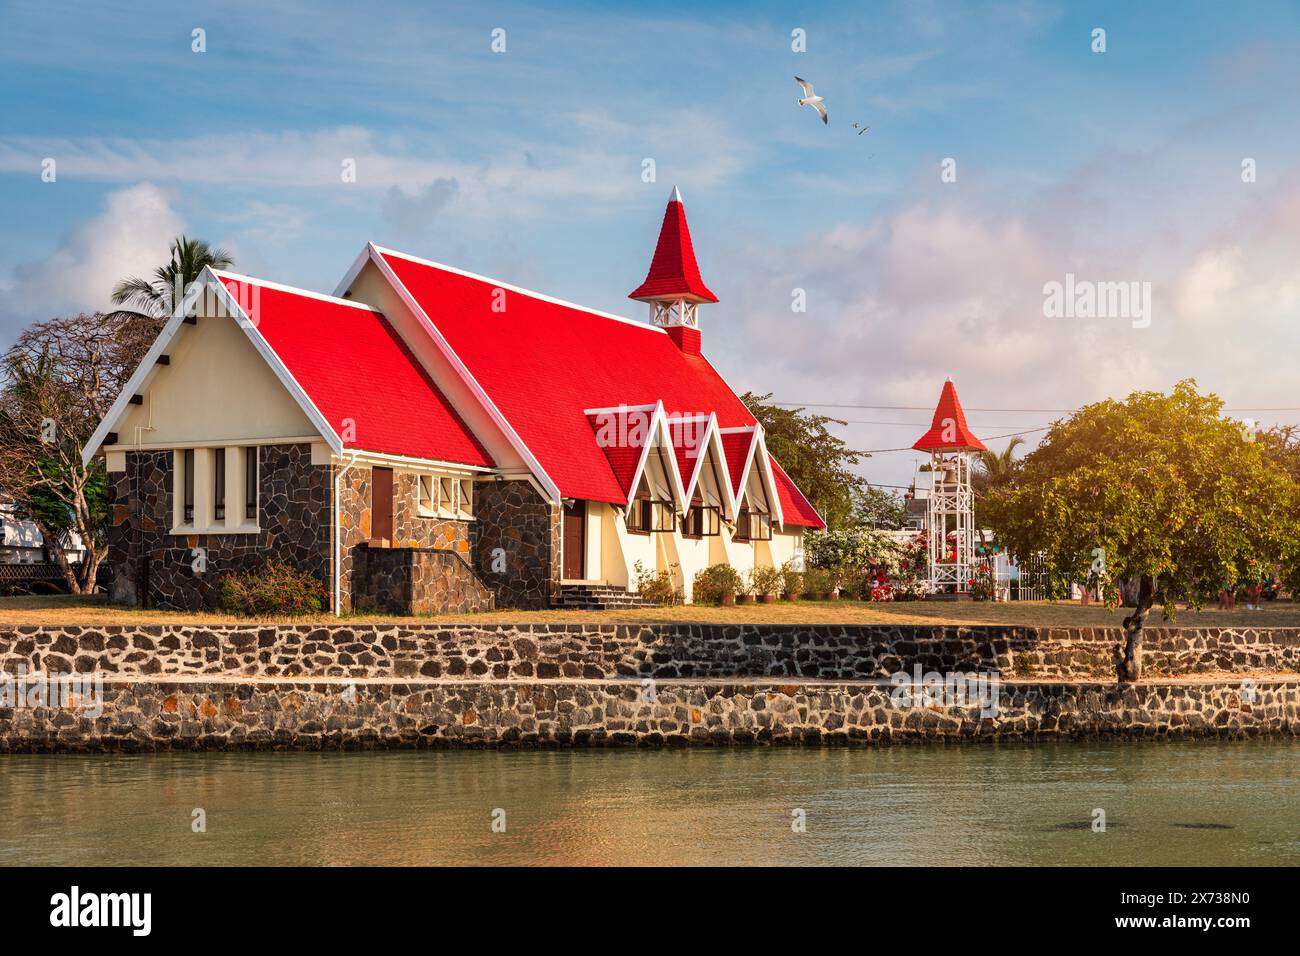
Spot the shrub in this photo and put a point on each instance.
(657, 586)
(764, 580)
(715, 581)
(817, 581)
(275, 588)
(791, 580)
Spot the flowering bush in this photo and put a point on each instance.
(872, 564)
(657, 586)
(982, 584)
(715, 581)
(763, 581)
(791, 580)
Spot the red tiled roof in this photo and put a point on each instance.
(622, 435)
(353, 365)
(795, 508)
(688, 445)
(735, 448)
(543, 363)
(948, 430)
(673, 270)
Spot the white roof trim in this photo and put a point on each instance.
(305, 293)
(658, 429)
(374, 254)
(765, 462)
(615, 409)
(499, 285)
(364, 455)
(149, 365)
(712, 436)
(277, 366)
(133, 385)
(757, 445)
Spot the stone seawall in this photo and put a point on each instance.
(609, 651)
(339, 714)
(407, 685)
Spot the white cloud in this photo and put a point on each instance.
(129, 236)
(957, 290)
(594, 158)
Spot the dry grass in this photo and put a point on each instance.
(56, 610)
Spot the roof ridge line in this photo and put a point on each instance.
(282, 287)
(496, 283)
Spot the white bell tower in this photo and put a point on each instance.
(950, 508)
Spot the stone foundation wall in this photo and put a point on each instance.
(523, 651)
(417, 581)
(410, 530)
(517, 550)
(293, 514)
(1079, 652)
(149, 715)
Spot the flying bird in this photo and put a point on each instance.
(810, 99)
(861, 129)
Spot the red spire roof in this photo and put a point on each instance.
(948, 430)
(673, 271)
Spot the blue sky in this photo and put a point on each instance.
(527, 165)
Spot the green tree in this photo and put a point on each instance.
(993, 470)
(159, 297)
(817, 461)
(56, 384)
(1159, 489)
(878, 507)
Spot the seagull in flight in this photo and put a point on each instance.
(811, 99)
(861, 129)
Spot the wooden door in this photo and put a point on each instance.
(381, 504)
(575, 540)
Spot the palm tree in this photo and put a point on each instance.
(158, 298)
(995, 469)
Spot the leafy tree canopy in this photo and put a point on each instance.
(1161, 489)
(817, 461)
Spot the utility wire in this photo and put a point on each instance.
(1050, 411)
(1027, 431)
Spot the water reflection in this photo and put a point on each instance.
(1203, 803)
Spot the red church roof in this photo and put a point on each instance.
(544, 364)
(351, 364)
(673, 271)
(795, 508)
(948, 431)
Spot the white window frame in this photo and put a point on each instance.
(442, 495)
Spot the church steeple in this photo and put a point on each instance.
(673, 287)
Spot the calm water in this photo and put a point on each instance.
(1186, 803)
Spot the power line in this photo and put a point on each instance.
(924, 425)
(1027, 431)
(1049, 411)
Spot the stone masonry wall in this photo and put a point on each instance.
(417, 581)
(293, 513)
(517, 551)
(307, 715)
(410, 530)
(605, 651)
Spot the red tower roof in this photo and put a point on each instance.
(948, 430)
(673, 271)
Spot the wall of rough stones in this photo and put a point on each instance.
(604, 651)
(417, 581)
(517, 550)
(312, 715)
(293, 513)
(410, 530)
